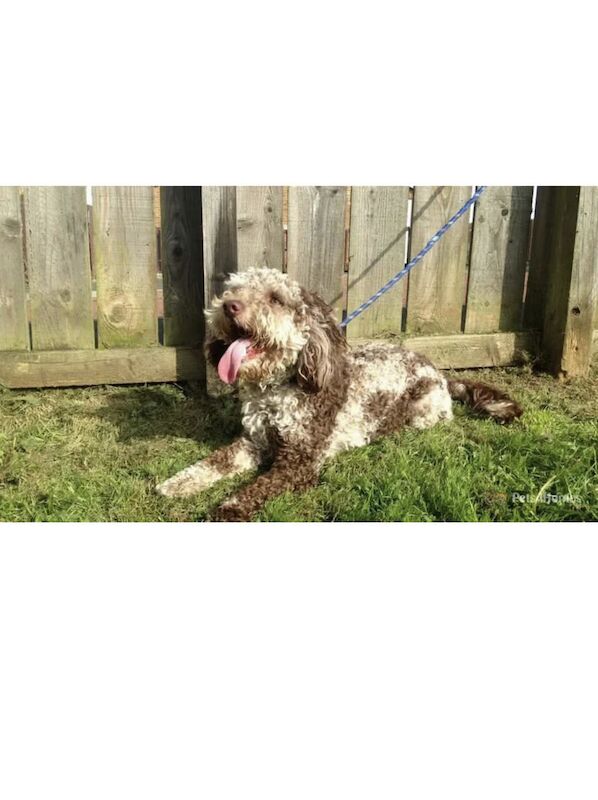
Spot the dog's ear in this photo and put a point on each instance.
(322, 354)
(214, 350)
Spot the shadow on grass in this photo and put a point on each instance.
(156, 411)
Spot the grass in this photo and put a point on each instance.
(95, 454)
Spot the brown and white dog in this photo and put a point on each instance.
(307, 396)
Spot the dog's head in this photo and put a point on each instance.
(265, 329)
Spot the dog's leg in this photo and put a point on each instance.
(292, 470)
(233, 459)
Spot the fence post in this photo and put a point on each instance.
(563, 280)
(183, 267)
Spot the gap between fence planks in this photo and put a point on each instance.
(498, 259)
(58, 267)
(437, 286)
(14, 328)
(126, 265)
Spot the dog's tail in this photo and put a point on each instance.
(485, 400)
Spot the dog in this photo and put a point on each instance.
(306, 395)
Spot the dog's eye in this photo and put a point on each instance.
(276, 299)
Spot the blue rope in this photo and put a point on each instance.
(408, 267)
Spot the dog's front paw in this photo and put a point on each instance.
(172, 488)
(179, 486)
(230, 511)
(189, 481)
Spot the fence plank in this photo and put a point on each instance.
(182, 265)
(219, 237)
(259, 226)
(465, 350)
(316, 241)
(583, 288)
(437, 285)
(58, 267)
(498, 259)
(125, 259)
(542, 243)
(572, 281)
(376, 251)
(14, 329)
(91, 367)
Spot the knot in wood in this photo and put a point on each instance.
(11, 227)
(118, 314)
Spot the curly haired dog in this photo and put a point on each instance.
(307, 396)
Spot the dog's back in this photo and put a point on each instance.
(391, 387)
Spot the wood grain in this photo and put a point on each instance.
(437, 285)
(182, 265)
(316, 241)
(542, 243)
(377, 241)
(219, 205)
(125, 257)
(583, 288)
(14, 329)
(498, 259)
(58, 267)
(93, 367)
(259, 227)
(571, 278)
(157, 364)
(463, 351)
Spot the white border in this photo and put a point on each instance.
(287, 661)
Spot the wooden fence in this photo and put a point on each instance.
(115, 293)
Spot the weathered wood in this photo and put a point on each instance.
(437, 285)
(14, 330)
(378, 235)
(259, 227)
(126, 264)
(316, 241)
(91, 367)
(182, 265)
(542, 236)
(583, 288)
(498, 259)
(58, 267)
(571, 278)
(157, 209)
(219, 237)
(463, 350)
(157, 364)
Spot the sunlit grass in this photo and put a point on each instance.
(95, 455)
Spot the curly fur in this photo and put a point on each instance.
(306, 396)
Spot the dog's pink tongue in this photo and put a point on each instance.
(230, 363)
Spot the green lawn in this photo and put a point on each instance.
(95, 455)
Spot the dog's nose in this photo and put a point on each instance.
(233, 307)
